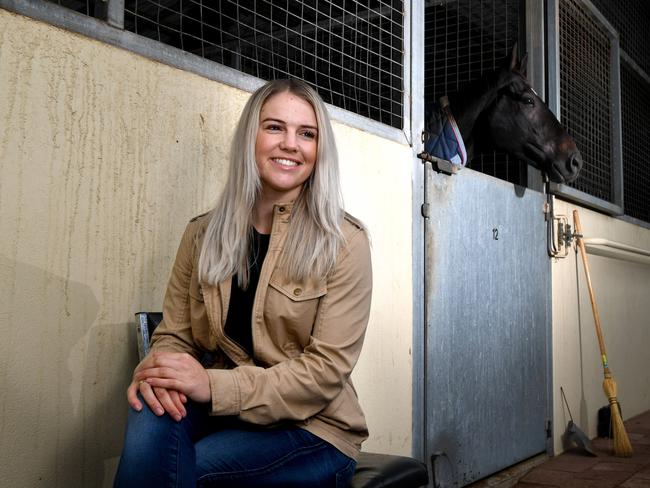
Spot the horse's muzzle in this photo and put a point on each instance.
(573, 166)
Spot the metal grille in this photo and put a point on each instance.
(585, 98)
(631, 19)
(352, 51)
(462, 40)
(635, 97)
(86, 7)
(631, 24)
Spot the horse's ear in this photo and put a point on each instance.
(523, 64)
(513, 58)
(516, 64)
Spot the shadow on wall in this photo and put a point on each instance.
(63, 377)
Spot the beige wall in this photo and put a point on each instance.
(104, 156)
(622, 290)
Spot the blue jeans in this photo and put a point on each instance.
(207, 451)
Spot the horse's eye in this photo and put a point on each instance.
(528, 100)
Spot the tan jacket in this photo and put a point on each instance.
(306, 337)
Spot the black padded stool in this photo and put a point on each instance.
(373, 470)
(388, 471)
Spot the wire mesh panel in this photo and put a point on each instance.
(463, 40)
(631, 19)
(352, 51)
(632, 24)
(86, 7)
(585, 95)
(635, 97)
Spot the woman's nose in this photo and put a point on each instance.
(289, 141)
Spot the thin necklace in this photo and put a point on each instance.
(255, 250)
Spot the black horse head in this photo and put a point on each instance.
(501, 111)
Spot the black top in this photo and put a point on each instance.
(240, 309)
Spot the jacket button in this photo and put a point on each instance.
(281, 209)
(297, 292)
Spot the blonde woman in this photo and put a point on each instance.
(248, 380)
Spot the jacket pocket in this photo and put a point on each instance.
(291, 309)
(299, 292)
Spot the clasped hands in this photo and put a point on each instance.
(166, 380)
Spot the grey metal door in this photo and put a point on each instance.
(487, 311)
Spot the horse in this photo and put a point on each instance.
(500, 111)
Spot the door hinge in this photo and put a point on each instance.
(549, 429)
(425, 210)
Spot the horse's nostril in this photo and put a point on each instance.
(575, 162)
(573, 166)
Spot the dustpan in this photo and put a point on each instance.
(576, 436)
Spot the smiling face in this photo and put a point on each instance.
(286, 146)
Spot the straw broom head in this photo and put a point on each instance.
(622, 446)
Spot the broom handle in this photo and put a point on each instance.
(592, 297)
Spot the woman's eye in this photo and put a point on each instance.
(309, 134)
(272, 127)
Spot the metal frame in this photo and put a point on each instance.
(614, 208)
(635, 221)
(115, 13)
(632, 64)
(416, 89)
(407, 75)
(111, 32)
(638, 71)
(536, 49)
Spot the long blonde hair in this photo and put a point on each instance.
(314, 237)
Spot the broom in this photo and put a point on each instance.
(622, 446)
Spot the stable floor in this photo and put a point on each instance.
(572, 469)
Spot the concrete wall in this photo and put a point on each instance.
(622, 290)
(104, 156)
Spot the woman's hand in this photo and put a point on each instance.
(174, 371)
(159, 400)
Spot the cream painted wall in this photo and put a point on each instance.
(377, 189)
(104, 156)
(622, 291)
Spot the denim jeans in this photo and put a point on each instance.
(207, 451)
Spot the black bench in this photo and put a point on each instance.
(373, 470)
